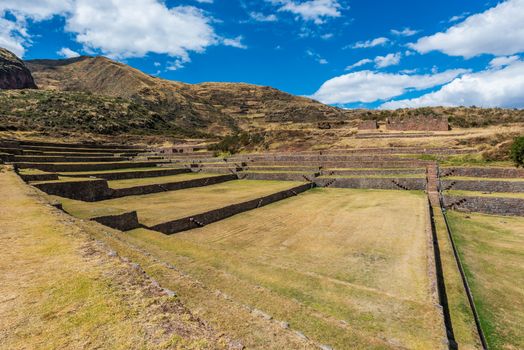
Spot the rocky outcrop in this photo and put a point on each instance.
(13, 72)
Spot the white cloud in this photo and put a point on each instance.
(67, 53)
(13, 33)
(327, 36)
(12, 37)
(503, 61)
(235, 42)
(117, 28)
(176, 65)
(205, 1)
(404, 32)
(368, 86)
(458, 17)
(490, 88)
(37, 10)
(121, 28)
(370, 43)
(497, 31)
(391, 59)
(316, 57)
(260, 17)
(311, 10)
(359, 63)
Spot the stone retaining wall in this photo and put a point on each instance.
(122, 222)
(374, 183)
(172, 186)
(329, 158)
(483, 185)
(11, 150)
(133, 174)
(39, 177)
(89, 191)
(77, 145)
(230, 170)
(206, 218)
(347, 164)
(278, 176)
(486, 205)
(74, 167)
(367, 125)
(306, 169)
(482, 172)
(66, 159)
(373, 172)
(418, 123)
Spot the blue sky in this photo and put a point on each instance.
(349, 53)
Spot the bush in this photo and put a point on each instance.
(234, 143)
(517, 151)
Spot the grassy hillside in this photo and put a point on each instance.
(213, 107)
(30, 110)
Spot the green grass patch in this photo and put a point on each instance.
(492, 251)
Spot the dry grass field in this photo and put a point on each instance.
(60, 289)
(161, 207)
(492, 251)
(347, 268)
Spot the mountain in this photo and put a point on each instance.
(216, 108)
(13, 72)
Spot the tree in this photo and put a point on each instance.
(517, 151)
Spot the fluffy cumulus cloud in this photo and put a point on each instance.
(13, 32)
(311, 10)
(391, 59)
(67, 53)
(120, 28)
(497, 31)
(117, 28)
(503, 61)
(370, 43)
(502, 87)
(13, 37)
(367, 86)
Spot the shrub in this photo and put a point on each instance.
(234, 143)
(517, 151)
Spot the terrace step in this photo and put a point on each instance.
(134, 174)
(73, 167)
(206, 218)
(66, 159)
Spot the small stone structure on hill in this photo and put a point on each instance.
(418, 123)
(368, 125)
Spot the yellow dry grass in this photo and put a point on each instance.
(61, 290)
(161, 207)
(345, 267)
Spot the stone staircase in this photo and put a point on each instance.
(432, 184)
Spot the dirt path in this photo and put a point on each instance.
(62, 289)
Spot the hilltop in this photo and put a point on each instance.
(211, 107)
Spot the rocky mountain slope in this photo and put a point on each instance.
(13, 72)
